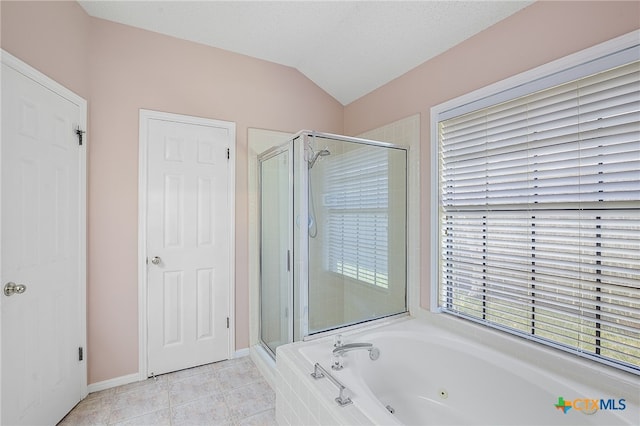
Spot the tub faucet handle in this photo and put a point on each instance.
(336, 362)
(337, 341)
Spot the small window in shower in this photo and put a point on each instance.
(357, 206)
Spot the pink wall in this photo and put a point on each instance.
(132, 69)
(536, 35)
(119, 70)
(51, 37)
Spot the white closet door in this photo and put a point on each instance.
(188, 243)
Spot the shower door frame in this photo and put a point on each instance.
(301, 265)
(271, 153)
(297, 296)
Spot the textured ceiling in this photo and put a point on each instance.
(348, 48)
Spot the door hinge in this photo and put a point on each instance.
(228, 153)
(80, 132)
(80, 353)
(227, 322)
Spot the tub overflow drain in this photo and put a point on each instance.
(391, 409)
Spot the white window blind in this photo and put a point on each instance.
(540, 216)
(357, 203)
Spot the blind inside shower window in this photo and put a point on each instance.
(540, 216)
(356, 200)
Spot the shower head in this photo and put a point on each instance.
(322, 153)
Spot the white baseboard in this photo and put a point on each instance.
(130, 378)
(112, 383)
(242, 352)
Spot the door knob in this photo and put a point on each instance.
(156, 260)
(11, 288)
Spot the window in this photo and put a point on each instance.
(539, 213)
(357, 203)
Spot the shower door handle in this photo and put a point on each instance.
(288, 260)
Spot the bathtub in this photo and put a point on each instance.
(430, 375)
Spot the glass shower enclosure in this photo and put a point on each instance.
(333, 235)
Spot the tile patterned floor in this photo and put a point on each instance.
(224, 393)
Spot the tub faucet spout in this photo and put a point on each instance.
(374, 353)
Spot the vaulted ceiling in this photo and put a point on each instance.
(348, 48)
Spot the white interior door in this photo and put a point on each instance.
(188, 242)
(42, 251)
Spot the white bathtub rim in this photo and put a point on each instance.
(531, 372)
(533, 375)
(557, 362)
(370, 404)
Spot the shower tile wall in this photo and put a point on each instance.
(405, 132)
(402, 132)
